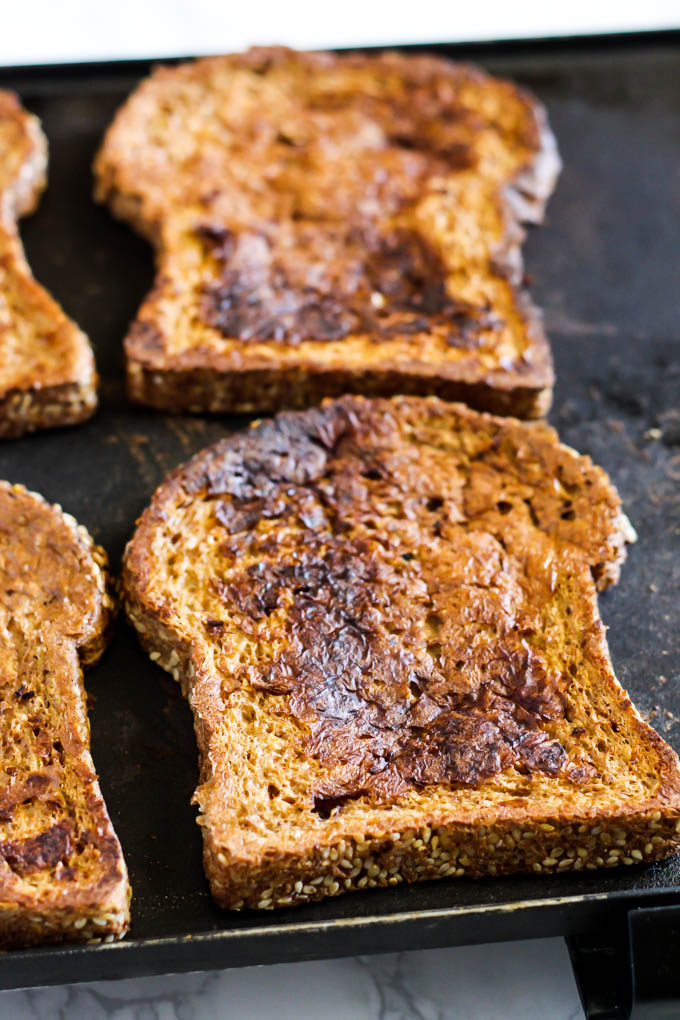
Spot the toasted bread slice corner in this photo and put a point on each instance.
(62, 873)
(47, 370)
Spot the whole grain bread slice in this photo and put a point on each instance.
(62, 873)
(384, 616)
(47, 372)
(332, 223)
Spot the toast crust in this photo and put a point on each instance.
(62, 873)
(47, 372)
(328, 224)
(384, 616)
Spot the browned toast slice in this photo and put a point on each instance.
(384, 616)
(327, 224)
(62, 873)
(47, 373)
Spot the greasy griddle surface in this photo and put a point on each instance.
(605, 271)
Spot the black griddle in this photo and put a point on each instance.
(606, 270)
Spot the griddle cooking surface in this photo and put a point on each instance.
(605, 268)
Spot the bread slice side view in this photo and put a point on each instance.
(47, 372)
(384, 616)
(332, 223)
(62, 873)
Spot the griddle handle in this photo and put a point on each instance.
(632, 975)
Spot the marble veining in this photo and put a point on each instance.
(510, 981)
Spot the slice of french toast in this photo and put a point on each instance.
(47, 372)
(62, 873)
(384, 616)
(332, 223)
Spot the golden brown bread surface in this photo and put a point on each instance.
(326, 224)
(62, 873)
(384, 616)
(47, 373)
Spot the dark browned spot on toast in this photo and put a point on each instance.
(387, 706)
(326, 284)
(409, 610)
(40, 852)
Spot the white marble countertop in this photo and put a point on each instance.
(511, 981)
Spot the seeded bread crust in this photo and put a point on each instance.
(47, 372)
(493, 538)
(242, 171)
(62, 873)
